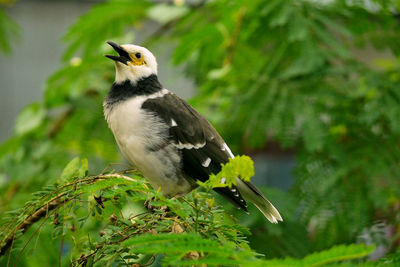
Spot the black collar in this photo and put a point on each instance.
(125, 90)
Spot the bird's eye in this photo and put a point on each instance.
(138, 55)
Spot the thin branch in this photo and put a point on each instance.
(60, 252)
(28, 222)
(29, 240)
(50, 205)
(60, 122)
(231, 47)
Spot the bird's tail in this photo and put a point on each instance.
(252, 194)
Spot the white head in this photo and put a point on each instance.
(133, 63)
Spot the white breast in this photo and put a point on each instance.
(136, 131)
(132, 125)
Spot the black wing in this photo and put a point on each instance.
(201, 146)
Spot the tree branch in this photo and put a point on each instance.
(50, 205)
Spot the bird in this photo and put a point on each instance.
(164, 137)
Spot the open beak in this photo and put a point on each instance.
(123, 55)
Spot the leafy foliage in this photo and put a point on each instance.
(8, 31)
(335, 254)
(186, 232)
(267, 71)
(194, 230)
(240, 166)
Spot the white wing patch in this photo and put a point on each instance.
(173, 123)
(189, 146)
(206, 163)
(223, 180)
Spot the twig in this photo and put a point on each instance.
(50, 205)
(59, 123)
(61, 247)
(235, 37)
(36, 216)
(29, 240)
(106, 176)
(151, 261)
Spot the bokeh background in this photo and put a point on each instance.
(309, 89)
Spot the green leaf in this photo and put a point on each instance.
(115, 16)
(334, 255)
(84, 168)
(337, 254)
(30, 118)
(176, 246)
(165, 13)
(9, 31)
(71, 170)
(239, 166)
(309, 60)
(281, 16)
(298, 28)
(314, 131)
(110, 182)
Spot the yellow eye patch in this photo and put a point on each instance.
(137, 59)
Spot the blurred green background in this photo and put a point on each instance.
(309, 89)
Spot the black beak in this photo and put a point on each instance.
(123, 55)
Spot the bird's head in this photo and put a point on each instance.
(133, 62)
